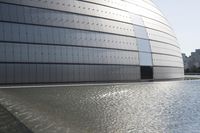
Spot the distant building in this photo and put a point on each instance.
(185, 61)
(192, 61)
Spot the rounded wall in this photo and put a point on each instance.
(85, 41)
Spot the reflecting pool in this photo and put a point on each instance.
(154, 107)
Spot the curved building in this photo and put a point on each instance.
(66, 41)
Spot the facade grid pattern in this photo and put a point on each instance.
(85, 41)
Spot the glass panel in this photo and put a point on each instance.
(143, 45)
(145, 59)
(140, 32)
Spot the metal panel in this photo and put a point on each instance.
(50, 54)
(20, 14)
(65, 73)
(91, 72)
(1, 31)
(7, 31)
(81, 73)
(15, 33)
(31, 53)
(40, 16)
(76, 73)
(44, 52)
(168, 73)
(86, 73)
(13, 12)
(38, 53)
(10, 73)
(5, 12)
(23, 37)
(16, 52)
(96, 73)
(1, 10)
(53, 72)
(64, 54)
(69, 54)
(62, 36)
(55, 36)
(2, 73)
(166, 60)
(25, 74)
(43, 31)
(100, 73)
(32, 74)
(33, 15)
(39, 73)
(59, 54)
(46, 73)
(59, 73)
(67, 36)
(71, 73)
(2, 52)
(27, 12)
(17, 73)
(9, 52)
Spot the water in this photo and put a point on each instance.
(155, 107)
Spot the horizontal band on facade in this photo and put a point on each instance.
(53, 63)
(89, 31)
(71, 45)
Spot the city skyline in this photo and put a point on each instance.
(184, 18)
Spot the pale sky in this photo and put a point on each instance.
(184, 17)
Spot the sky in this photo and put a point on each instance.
(184, 18)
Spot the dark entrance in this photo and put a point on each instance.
(146, 72)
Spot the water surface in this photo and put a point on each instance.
(155, 107)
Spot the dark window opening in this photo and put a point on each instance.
(146, 72)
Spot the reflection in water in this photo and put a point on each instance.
(164, 107)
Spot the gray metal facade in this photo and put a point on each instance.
(50, 41)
